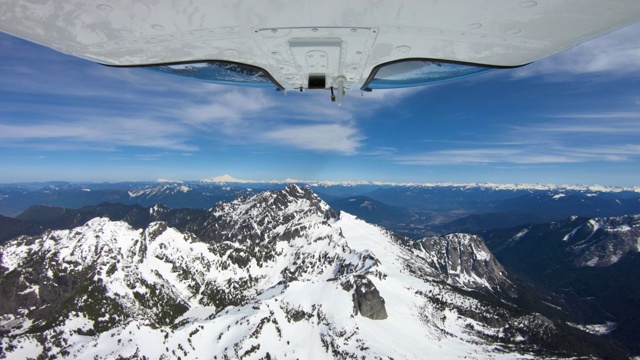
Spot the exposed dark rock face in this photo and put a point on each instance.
(367, 300)
(465, 260)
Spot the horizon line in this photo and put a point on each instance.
(229, 179)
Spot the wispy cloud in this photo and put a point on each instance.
(226, 111)
(326, 138)
(587, 137)
(103, 132)
(625, 125)
(601, 115)
(151, 157)
(530, 155)
(381, 151)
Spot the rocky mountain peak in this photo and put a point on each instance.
(283, 214)
(158, 210)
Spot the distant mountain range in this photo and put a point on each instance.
(411, 210)
(16, 199)
(228, 179)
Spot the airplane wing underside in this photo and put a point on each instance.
(351, 45)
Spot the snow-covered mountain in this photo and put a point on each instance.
(275, 275)
(162, 190)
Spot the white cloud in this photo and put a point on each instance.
(530, 155)
(222, 110)
(596, 125)
(331, 138)
(601, 115)
(106, 132)
(593, 129)
(456, 157)
(150, 157)
(566, 138)
(382, 151)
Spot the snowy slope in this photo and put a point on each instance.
(284, 277)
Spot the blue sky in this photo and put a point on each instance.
(572, 118)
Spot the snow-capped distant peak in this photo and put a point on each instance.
(161, 180)
(226, 178)
(492, 186)
(173, 188)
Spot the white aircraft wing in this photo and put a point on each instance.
(346, 44)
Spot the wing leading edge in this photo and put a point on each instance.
(300, 45)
